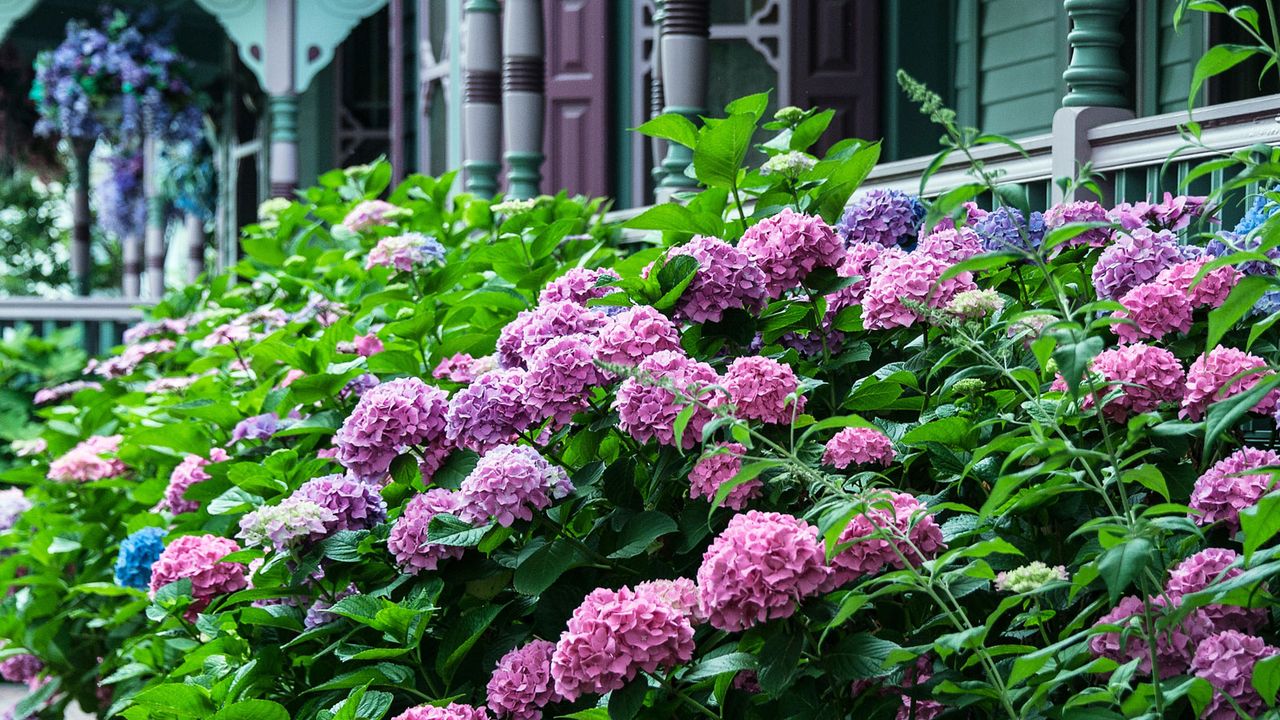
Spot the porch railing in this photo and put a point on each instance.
(101, 321)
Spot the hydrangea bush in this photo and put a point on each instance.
(827, 454)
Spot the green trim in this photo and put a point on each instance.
(489, 6)
(155, 211)
(620, 80)
(283, 111)
(524, 174)
(482, 177)
(1096, 76)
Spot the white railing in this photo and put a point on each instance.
(101, 321)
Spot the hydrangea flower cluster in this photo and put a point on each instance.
(1173, 213)
(633, 335)
(13, 503)
(561, 375)
(1030, 577)
(909, 279)
(65, 390)
(126, 362)
(1207, 568)
(463, 368)
(404, 252)
(408, 540)
(369, 213)
(1226, 243)
(759, 568)
(1210, 379)
(91, 459)
(286, 524)
(1132, 259)
(1232, 484)
(578, 285)
(1175, 642)
(762, 388)
(858, 446)
(789, 246)
(1007, 229)
(508, 483)
(951, 244)
(521, 684)
(1084, 211)
(1146, 376)
(318, 614)
(532, 329)
(612, 636)
(199, 558)
(790, 165)
(257, 427)
(1227, 660)
(680, 594)
(21, 668)
(1153, 310)
(976, 304)
(882, 217)
(186, 474)
(390, 418)
(726, 279)
(489, 412)
(354, 503)
(894, 527)
(1213, 288)
(452, 711)
(647, 409)
(138, 552)
(718, 466)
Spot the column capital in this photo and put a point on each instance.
(1096, 74)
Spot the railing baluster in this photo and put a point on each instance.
(482, 97)
(686, 29)
(523, 100)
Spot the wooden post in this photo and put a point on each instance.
(523, 98)
(482, 97)
(685, 32)
(658, 147)
(131, 260)
(195, 247)
(81, 261)
(395, 41)
(153, 237)
(282, 97)
(1096, 75)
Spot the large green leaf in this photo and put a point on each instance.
(721, 148)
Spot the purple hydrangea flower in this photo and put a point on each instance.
(258, 427)
(491, 411)
(388, 420)
(355, 504)
(1136, 257)
(509, 483)
(1005, 229)
(533, 328)
(408, 539)
(883, 217)
(561, 375)
(726, 279)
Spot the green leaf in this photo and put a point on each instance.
(947, 431)
(1260, 522)
(1241, 300)
(1223, 414)
(626, 702)
(810, 130)
(544, 567)
(1219, 59)
(671, 126)
(721, 148)
(184, 701)
(640, 532)
(676, 218)
(1150, 477)
(252, 710)
(753, 105)
(780, 659)
(446, 529)
(1266, 678)
(461, 636)
(1073, 356)
(728, 663)
(1120, 565)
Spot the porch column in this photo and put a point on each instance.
(131, 262)
(395, 43)
(1096, 81)
(195, 246)
(81, 261)
(482, 97)
(658, 147)
(685, 32)
(282, 96)
(523, 98)
(153, 237)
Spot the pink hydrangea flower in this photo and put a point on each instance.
(759, 388)
(1226, 660)
(199, 558)
(13, 503)
(491, 411)
(463, 368)
(612, 636)
(367, 345)
(67, 389)
(858, 446)
(521, 684)
(726, 280)
(1174, 643)
(92, 459)
(1146, 377)
(508, 483)
(759, 568)
(913, 277)
(532, 329)
(561, 376)
(187, 473)
(389, 419)
(1154, 310)
(578, 286)
(403, 252)
(1085, 211)
(648, 411)
(452, 711)
(1208, 568)
(789, 246)
(680, 594)
(634, 334)
(1210, 379)
(286, 524)
(1176, 212)
(951, 245)
(354, 503)
(717, 467)
(1231, 485)
(895, 526)
(408, 540)
(368, 214)
(1134, 258)
(126, 362)
(1213, 288)
(20, 668)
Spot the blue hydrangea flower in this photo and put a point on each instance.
(1262, 210)
(883, 217)
(1226, 243)
(1267, 305)
(137, 553)
(1005, 229)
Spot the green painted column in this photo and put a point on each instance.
(656, 102)
(282, 109)
(523, 96)
(686, 29)
(153, 240)
(1095, 76)
(82, 219)
(482, 97)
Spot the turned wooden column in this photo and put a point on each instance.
(686, 28)
(282, 97)
(82, 219)
(153, 237)
(1096, 74)
(523, 96)
(658, 147)
(194, 227)
(482, 97)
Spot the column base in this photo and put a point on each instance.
(482, 177)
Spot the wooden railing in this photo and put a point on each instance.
(101, 321)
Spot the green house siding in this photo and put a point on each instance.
(1020, 52)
